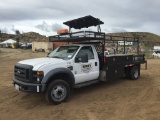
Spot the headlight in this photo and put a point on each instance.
(38, 76)
(38, 79)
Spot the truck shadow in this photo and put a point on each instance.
(38, 99)
(97, 87)
(109, 87)
(77, 94)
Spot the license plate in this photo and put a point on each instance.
(16, 87)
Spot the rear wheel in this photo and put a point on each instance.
(57, 92)
(127, 72)
(134, 73)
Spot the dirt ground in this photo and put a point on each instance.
(119, 100)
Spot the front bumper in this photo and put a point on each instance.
(29, 87)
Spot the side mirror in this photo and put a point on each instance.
(48, 54)
(82, 58)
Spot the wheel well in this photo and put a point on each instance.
(62, 76)
(127, 69)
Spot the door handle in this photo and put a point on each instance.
(95, 63)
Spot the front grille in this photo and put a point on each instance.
(23, 72)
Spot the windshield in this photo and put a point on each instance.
(64, 52)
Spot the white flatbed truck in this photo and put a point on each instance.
(74, 65)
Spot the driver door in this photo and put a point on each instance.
(87, 71)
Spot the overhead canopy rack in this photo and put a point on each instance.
(78, 36)
(99, 38)
(121, 38)
(82, 36)
(84, 22)
(88, 36)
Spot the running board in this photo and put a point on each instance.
(79, 85)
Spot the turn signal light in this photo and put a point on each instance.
(39, 72)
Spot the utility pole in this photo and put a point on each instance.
(17, 39)
(0, 36)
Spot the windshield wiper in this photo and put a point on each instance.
(57, 57)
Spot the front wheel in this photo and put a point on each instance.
(134, 73)
(57, 92)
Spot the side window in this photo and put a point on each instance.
(88, 50)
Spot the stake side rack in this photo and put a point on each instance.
(93, 37)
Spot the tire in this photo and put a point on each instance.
(134, 73)
(58, 91)
(127, 73)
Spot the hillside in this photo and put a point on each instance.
(147, 39)
(25, 37)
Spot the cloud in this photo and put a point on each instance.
(4, 30)
(115, 30)
(10, 29)
(116, 15)
(44, 27)
(56, 27)
(49, 28)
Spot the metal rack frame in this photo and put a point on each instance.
(90, 36)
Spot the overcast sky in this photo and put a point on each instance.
(47, 16)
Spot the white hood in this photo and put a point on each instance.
(38, 62)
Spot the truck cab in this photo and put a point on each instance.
(75, 64)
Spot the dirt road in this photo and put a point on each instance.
(119, 100)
